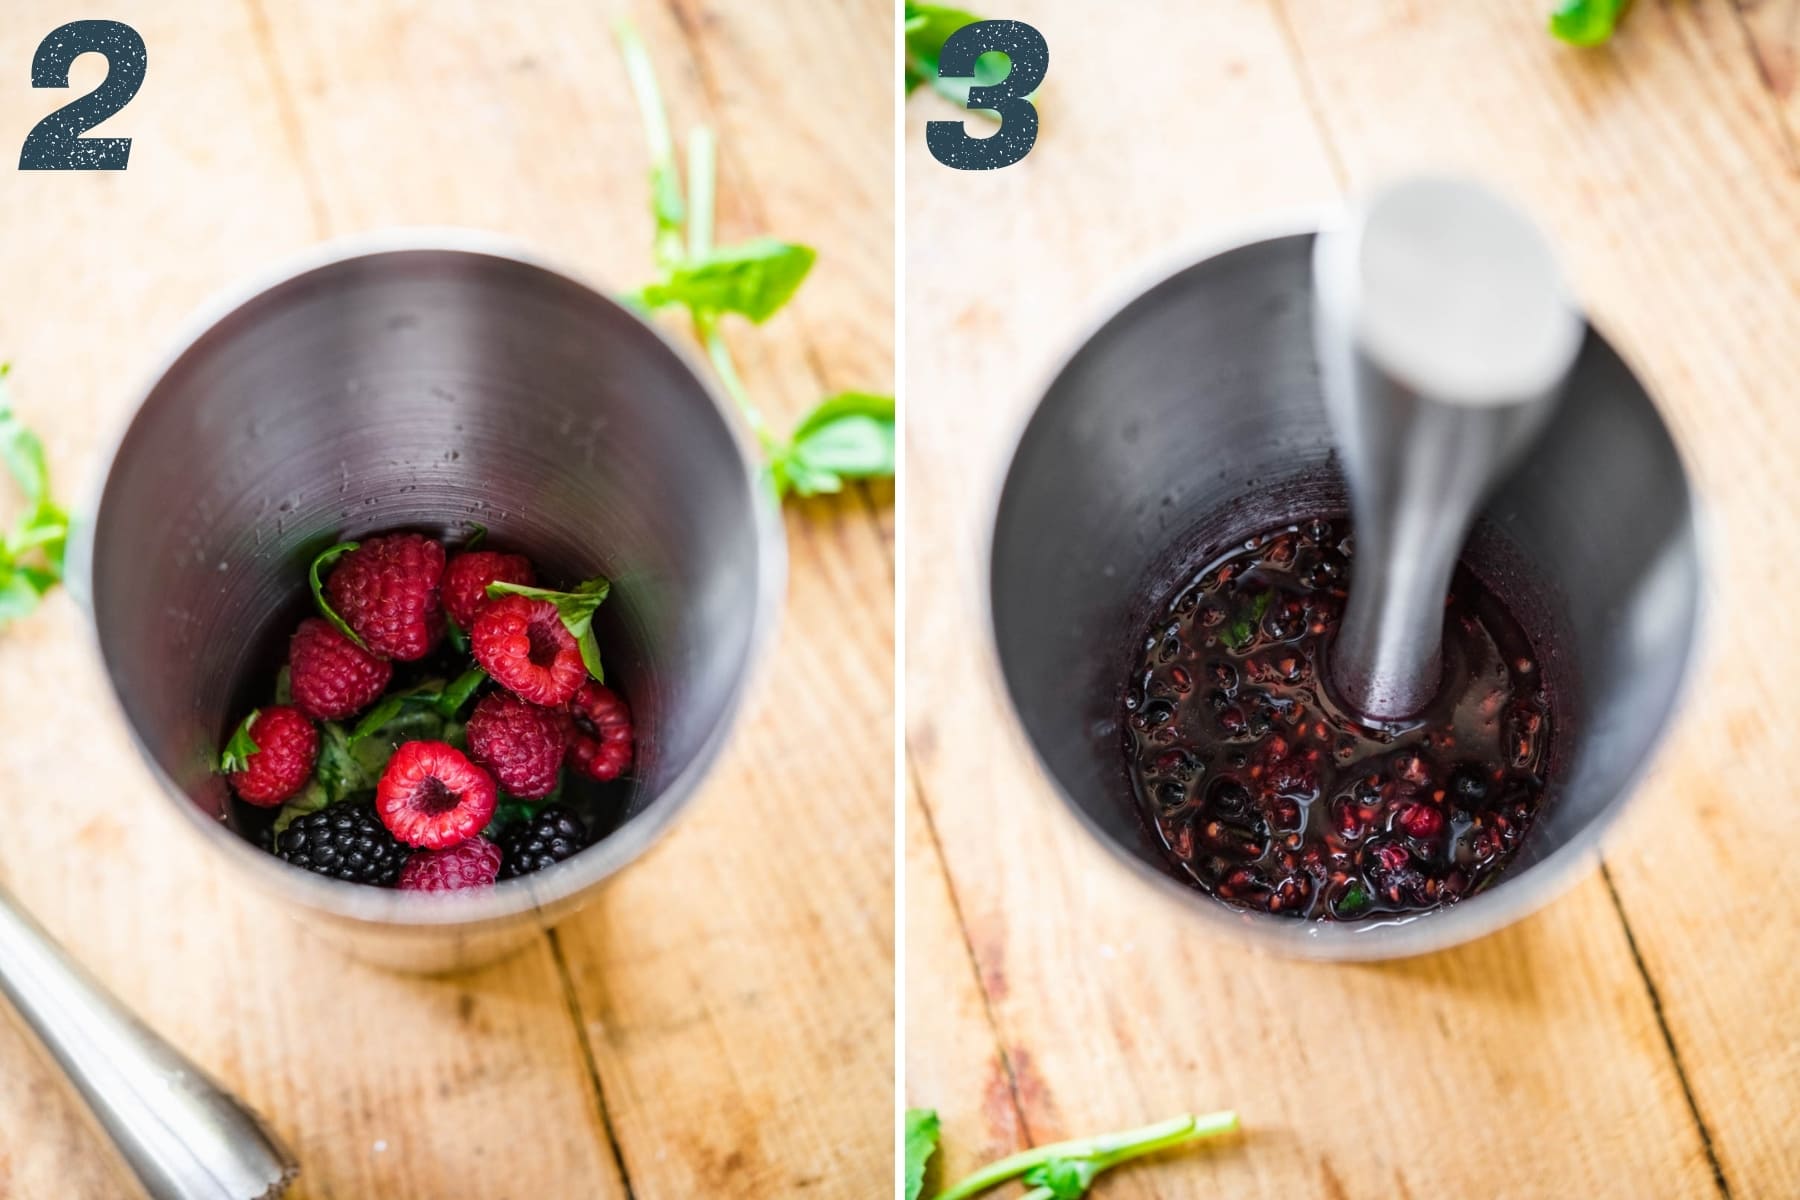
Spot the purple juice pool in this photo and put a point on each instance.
(1269, 795)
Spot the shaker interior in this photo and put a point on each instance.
(429, 390)
(1194, 418)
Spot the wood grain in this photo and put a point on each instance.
(1659, 163)
(721, 1019)
(1773, 29)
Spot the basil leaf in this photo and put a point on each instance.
(339, 770)
(1242, 631)
(475, 539)
(848, 436)
(753, 278)
(376, 717)
(921, 1143)
(325, 559)
(1587, 22)
(284, 686)
(23, 452)
(457, 694)
(241, 746)
(576, 609)
(1063, 1178)
(928, 27)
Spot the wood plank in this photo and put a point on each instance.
(1113, 1009)
(736, 987)
(1773, 29)
(1691, 258)
(955, 1063)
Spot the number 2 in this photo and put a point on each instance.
(55, 143)
(949, 142)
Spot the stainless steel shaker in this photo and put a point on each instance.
(1192, 417)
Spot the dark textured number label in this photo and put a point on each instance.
(55, 143)
(950, 141)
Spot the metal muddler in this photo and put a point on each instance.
(180, 1136)
(1444, 334)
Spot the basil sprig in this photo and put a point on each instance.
(846, 436)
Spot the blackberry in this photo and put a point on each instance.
(344, 841)
(551, 836)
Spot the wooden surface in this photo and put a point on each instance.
(1637, 1037)
(720, 1021)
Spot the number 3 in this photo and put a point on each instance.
(55, 143)
(949, 142)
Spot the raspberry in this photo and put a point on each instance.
(467, 577)
(286, 747)
(332, 677)
(549, 838)
(387, 590)
(1420, 821)
(522, 642)
(519, 743)
(474, 864)
(344, 841)
(600, 737)
(431, 796)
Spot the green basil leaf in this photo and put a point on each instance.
(845, 404)
(376, 717)
(458, 639)
(284, 686)
(1587, 22)
(44, 528)
(1242, 631)
(1063, 1178)
(23, 453)
(458, 692)
(855, 445)
(339, 771)
(794, 474)
(325, 559)
(753, 278)
(576, 609)
(241, 746)
(475, 539)
(928, 27)
(921, 1143)
(590, 655)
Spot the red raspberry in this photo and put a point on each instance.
(467, 577)
(1420, 821)
(286, 747)
(431, 796)
(332, 677)
(520, 743)
(521, 642)
(473, 864)
(387, 590)
(600, 734)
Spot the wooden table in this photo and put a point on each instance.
(719, 1023)
(1636, 1038)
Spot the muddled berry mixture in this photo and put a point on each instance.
(440, 725)
(1270, 796)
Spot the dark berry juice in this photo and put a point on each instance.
(1271, 796)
